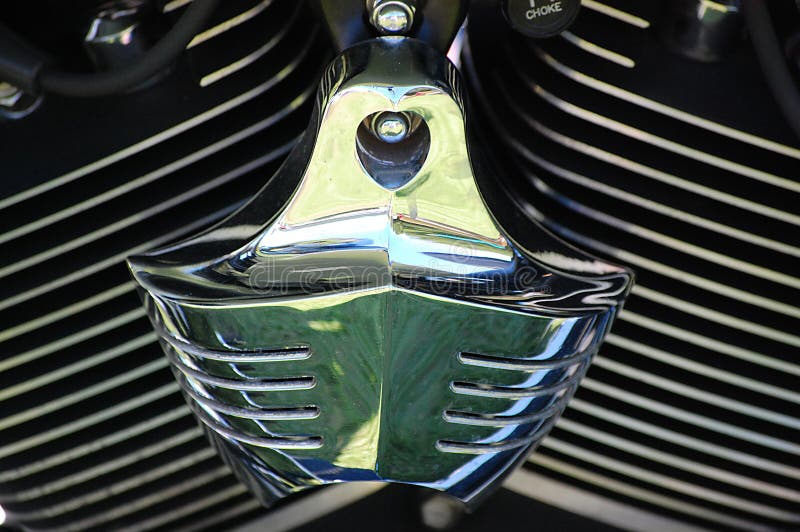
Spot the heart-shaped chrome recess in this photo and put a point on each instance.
(341, 328)
(392, 147)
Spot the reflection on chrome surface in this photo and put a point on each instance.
(354, 322)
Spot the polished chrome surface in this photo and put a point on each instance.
(391, 127)
(355, 323)
(16, 103)
(391, 17)
(118, 34)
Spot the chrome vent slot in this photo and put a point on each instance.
(216, 402)
(548, 381)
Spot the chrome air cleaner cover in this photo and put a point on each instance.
(366, 316)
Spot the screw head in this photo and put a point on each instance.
(390, 127)
(392, 17)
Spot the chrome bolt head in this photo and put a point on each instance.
(392, 17)
(391, 127)
(16, 103)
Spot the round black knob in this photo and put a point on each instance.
(541, 18)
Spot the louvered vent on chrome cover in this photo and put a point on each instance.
(93, 431)
(686, 173)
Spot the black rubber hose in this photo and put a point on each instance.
(773, 63)
(165, 52)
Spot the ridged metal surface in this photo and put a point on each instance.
(691, 408)
(93, 431)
